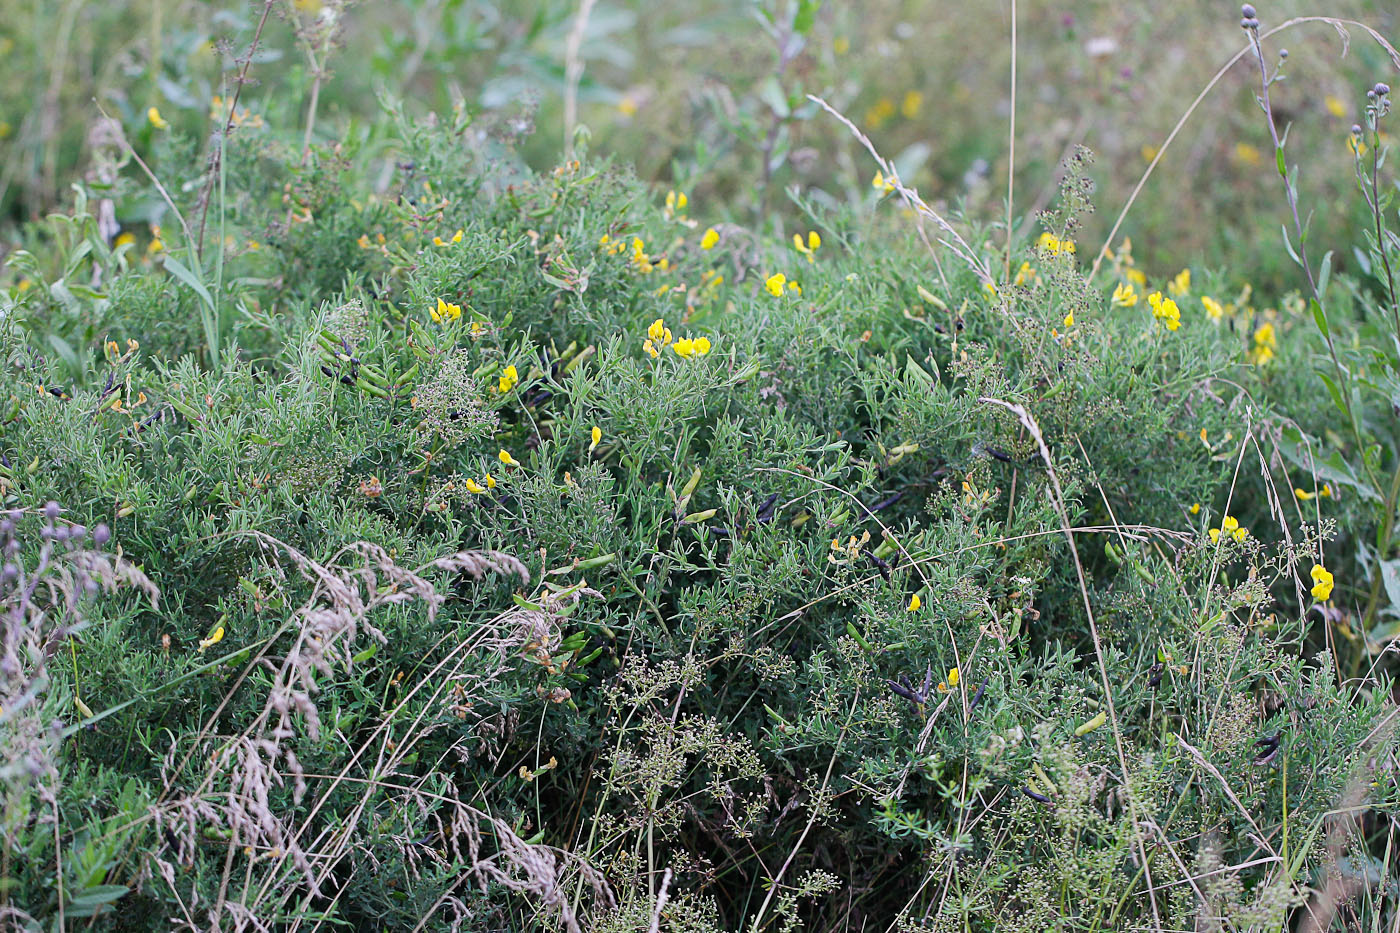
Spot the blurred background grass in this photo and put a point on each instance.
(710, 98)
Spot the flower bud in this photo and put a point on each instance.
(101, 534)
(52, 510)
(1283, 53)
(1381, 89)
(1247, 11)
(1356, 129)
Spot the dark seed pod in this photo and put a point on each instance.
(1155, 672)
(1039, 798)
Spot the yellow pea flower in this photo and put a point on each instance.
(915, 602)
(808, 248)
(775, 283)
(1165, 310)
(1181, 284)
(597, 437)
(1124, 296)
(474, 487)
(217, 636)
(1195, 508)
(1303, 494)
(155, 119)
(702, 346)
(1322, 583)
(882, 184)
(508, 379)
(505, 457)
(1069, 319)
(650, 347)
(1213, 307)
(953, 677)
(685, 348)
(710, 238)
(457, 237)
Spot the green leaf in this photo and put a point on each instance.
(1282, 167)
(806, 16)
(1320, 316)
(94, 898)
(182, 272)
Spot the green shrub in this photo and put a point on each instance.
(870, 595)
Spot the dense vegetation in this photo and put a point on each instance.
(403, 537)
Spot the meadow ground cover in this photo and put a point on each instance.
(454, 511)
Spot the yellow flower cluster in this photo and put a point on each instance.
(1322, 583)
(1124, 296)
(1181, 284)
(808, 249)
(445, 312)
(882, 184)
(1053, 245)
(659, 336)
(1165, 310)
(1230, 526)
(676, 202)
(1324, 493)
(777, 282)
(710, 238)
(1265, 342)
(456, 238)
(508, 380)
(952, 682)
(476, 488)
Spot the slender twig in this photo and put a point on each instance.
(216, 154)
(1011, 149)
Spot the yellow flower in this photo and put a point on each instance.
(1069, 319)
(156, 120)
(913, 101)
(882, 184)
(363, 241)
(675, 203)
(446, 311)
(438, 241)
(1264, 344)
(1181, 284)
(1322, 583)
(878, 115)
(1026, 274)
(702, 346)
(474, 487)
(915, 603)
(774, 283)
(1335, 105)
(1214, 535)
(1053, 245)
(457, 237)
(1195, 508)
(597, 436)
(1124, 296)
(659, 332)
(650, 347)
(505, 457)
(710, 238)
(508, 379)
(794, 287)
(685, 348)
(953, 677)
(1303, 494)
(1355, 146)
(217, 636)
(809, 248)
(1136, 277)
(1165, 310)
